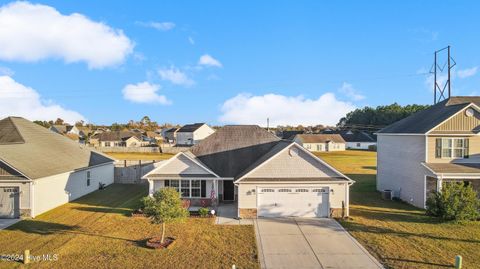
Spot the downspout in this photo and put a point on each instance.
(32, 199)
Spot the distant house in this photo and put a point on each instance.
(120, 139)
(191, 134)
(321, 142)
(40, 170)
(81, 131)
(154, 135)
(61, 128)
(358, 139)
(170, 135)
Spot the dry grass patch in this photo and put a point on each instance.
(97, 232)
(400, 235)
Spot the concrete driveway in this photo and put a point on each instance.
(309, 243)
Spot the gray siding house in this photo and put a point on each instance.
(417, 155)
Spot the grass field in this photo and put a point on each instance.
(139, 156)
(399, 235)
(96, 232)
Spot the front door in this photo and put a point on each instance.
(228, 190)
(9, 202)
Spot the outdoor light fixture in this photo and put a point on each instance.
(332, 191)
(212, 212)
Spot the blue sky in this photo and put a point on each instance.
(297, 62)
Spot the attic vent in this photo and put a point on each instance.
(469, 112)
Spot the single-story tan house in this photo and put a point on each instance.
(264, 175)
(321, 142)
(40, 169)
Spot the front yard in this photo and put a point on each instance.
(397, 234)
(135, 156)
(97, 232)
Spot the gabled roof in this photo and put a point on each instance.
(43, 153)
(116, 136)
(62, 128)
(291, 134)
(320, 138)
(233, 148)
(190, 128)
(425, 120)
(356, 136)
(172, 130)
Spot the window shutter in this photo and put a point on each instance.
(466, 145)
(203, 189)
(438, 148)
(167, 183)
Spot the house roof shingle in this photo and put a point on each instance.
(425, 120)
(234, 148)
(190, 128)
(43, 153)
(454, 168)
(356, 136)
(116, 136)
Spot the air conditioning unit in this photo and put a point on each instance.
(387, 194)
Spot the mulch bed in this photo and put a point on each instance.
(154, 242)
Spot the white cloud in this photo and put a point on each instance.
(19, 100)
(144, 92)
(160, 26)
(348, 90)
(175, 76)
(191, 40)
(284, 110)
(33, 32)
(468, 72)
(208, 60)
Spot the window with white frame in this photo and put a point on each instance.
(451, 148)
(196, 188)
(185, 188)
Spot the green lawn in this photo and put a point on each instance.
(96, 232)
(399, 235)
(133, 156)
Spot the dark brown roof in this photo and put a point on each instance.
(454, 168)
(234, 148)
(190, 127)
(43, 152)
(425, 120)
(171, 130)
(320, 138)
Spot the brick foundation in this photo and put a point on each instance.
(248, 213)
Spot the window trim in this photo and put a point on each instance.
(453, 147)
(89, 177)
(179, 188)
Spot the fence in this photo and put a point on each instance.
(131, 172)
(129, 149)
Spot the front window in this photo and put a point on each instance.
(88, 178)
(188, 188)
(185, 188)
(451, 148)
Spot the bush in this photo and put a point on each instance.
(203, 211)
(455, 202)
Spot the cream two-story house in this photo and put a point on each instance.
(439, 144)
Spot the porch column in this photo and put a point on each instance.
(215, 186)
(150, 187)
(439, 183)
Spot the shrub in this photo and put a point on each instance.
(165, 206)
(203, 211)
(455, 202)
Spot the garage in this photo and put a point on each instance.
(294, 201)
(9, 202)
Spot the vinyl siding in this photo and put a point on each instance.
(53, 191)
(460, 122)
(287, 165)
(182, 165)
(399, 167)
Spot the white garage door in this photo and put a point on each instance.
(292, 202)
